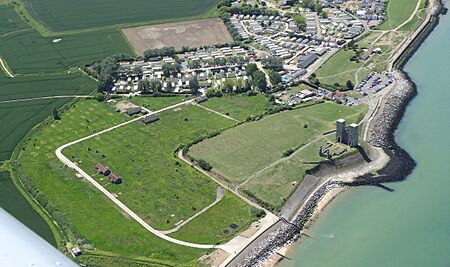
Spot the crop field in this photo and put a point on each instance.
(26, 51)
(66, 15)
(157, 186)
(93, 216)
(398, 11)
(239, 152)
(16, 119)
(196, 33)
(239, 107)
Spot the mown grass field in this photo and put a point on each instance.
(157, 103)
(157, 186)
(241, 151)
(239, 107)
(398, 11)
(276, 184)
(66, 15)
(27, 51)
(94, 217)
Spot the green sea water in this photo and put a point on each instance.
(371, 227)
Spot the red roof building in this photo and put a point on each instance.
(102, 169)
(114, 178)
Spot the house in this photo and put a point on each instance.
(114, 178)
(150, 119)
(102, 169)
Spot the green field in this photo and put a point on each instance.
(18, 118)
(66, 15)
(27, 51)
(94, 217)
(398, 11)
(241, 151)
(239, 107)
(156, 103)
(338, 69)
(156, 186)
(276, 184)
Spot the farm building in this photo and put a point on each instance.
(114, 178)
(102, 169)
(135, 110)
(150, 119)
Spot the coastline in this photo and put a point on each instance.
(274, 248)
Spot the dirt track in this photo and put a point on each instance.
(191, 34)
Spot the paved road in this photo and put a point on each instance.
(127, 210)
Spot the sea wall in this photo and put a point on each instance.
(381, 135)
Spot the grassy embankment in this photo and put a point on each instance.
(240, 152)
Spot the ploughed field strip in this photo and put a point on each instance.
(66, 15)
(196, 33)
(27, 51)
(240, 152)
(75, 204)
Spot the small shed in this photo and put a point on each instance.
(201, 99)
(150, 119)
(114, 178)
(102, 169)
(75, 251)
(133, 111)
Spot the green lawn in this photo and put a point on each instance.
(160, 188)
(239, 152)
(338, 68)
(67, 15)
(239, 107)
(208, 228)
(93, 216)
(26, 51)
(398, 11)
(157, 103)
(275, 185)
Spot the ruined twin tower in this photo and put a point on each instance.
(349, 135)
